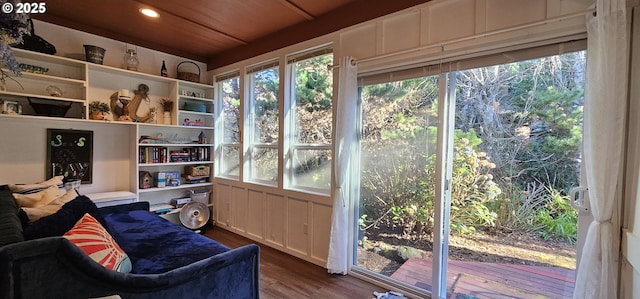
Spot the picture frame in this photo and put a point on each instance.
(11, 107)
(70, 154)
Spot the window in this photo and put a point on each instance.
(310, 121)
(263, 123)
(280, 140)
(229, 122)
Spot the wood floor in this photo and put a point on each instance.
(283, 276)
(490, 280)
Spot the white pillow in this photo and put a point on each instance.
(38, 199)
(36, 213)
(37, 187)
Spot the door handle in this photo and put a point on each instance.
(578, 200)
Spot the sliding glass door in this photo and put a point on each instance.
(517, 149)
(397, 173)
(463, 177)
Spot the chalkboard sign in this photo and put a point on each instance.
(70, 153)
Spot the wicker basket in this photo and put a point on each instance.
(200, 196)
(201, 170)
(188, 76)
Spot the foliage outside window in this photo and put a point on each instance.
(264, 126)
(309, 157)
(398, 154)
(517, 142)
(229, 147)
(528, 116)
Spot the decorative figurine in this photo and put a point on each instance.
(126, 108)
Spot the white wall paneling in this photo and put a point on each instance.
(392, 41)
(361, 41)
(320, 232)
(274, 230)
(238, 204)
(222, 200)
(292, 222)
(256, 205)
(502, 14)
(297, 225)
(449, 20)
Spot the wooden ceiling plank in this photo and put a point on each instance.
(292, 6)
(209, 28)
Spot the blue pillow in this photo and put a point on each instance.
(62, 221)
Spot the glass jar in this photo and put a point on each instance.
(54, 91)
(131, 60)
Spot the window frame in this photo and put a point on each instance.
(221, 144)
(291, 144)
(250, 144)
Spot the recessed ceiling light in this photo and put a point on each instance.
(149, 12)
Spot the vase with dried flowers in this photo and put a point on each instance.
(13, 26)
(167, 107)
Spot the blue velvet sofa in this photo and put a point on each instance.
(168, 261)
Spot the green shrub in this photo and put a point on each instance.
(399, 185)
(558, 218)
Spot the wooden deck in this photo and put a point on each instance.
(487, 280)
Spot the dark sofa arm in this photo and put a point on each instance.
(55, 268)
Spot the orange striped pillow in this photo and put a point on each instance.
(92, 238)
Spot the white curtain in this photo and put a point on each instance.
(604, 120)
(345, 136)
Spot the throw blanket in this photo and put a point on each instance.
(155, 245)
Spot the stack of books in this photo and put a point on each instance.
(152, 154)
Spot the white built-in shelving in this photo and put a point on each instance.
(82, 82)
